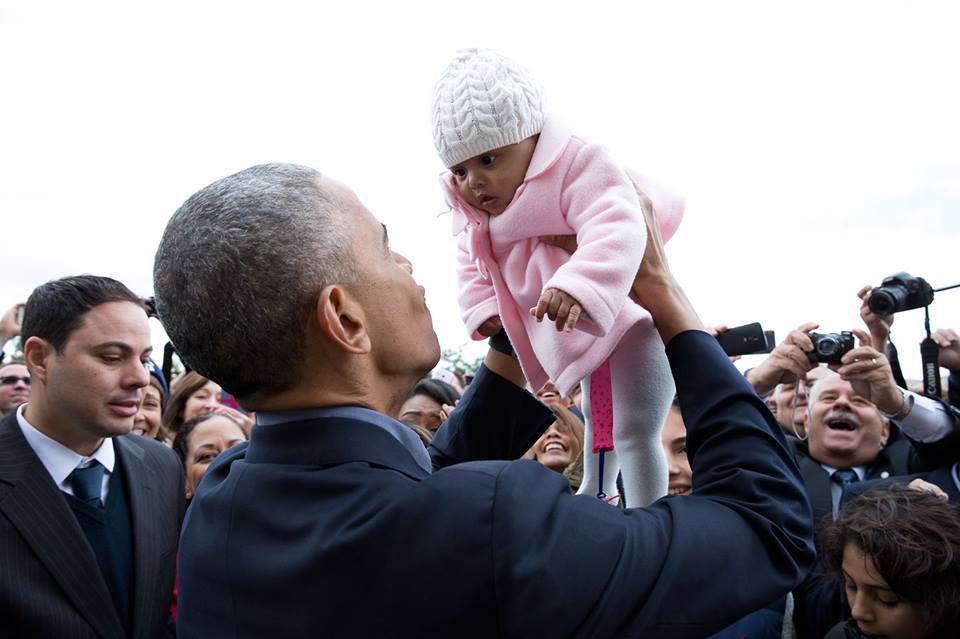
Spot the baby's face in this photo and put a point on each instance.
(489, 181)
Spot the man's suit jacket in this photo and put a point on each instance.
(818, 602)
(50, 583)
(327, 527)
(892, 460)
(942, 477)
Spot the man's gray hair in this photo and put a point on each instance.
(238, 272)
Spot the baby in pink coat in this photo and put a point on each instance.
(514, 176)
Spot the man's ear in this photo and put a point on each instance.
(884, 432)
(341, 320)
(36, 354)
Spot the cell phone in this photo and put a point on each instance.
(20, 314)
(748, 339)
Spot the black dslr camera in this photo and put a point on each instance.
(830, 347)
(900, 292)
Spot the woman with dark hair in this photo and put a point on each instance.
(194, 394)
(149, 418)
(424, 405)
(201, 440)
(898, 553)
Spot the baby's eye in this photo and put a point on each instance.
(487, 159)
(459, 172)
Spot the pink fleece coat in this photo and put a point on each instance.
(571, 187)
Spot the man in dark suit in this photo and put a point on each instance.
(277, 283)
(89, 515)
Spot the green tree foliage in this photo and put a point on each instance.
(459, 363)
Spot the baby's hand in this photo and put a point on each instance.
(490, 327)
(558, 306)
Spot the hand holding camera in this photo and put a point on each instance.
(868, 371)
(787, 362)
(829, 348)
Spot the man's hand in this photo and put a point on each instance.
(868, 371)
(9, 326)
(878, 325)
(949, 343)
(926, 487)
(558, 306)
(490, 327)
(785, 363)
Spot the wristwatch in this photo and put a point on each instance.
(905, 407)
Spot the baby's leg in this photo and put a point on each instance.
(591, 473)
(642, 391)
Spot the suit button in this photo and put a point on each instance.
(884, 475)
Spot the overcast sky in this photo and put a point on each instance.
(817, 143)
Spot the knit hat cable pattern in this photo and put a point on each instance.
(483, 101)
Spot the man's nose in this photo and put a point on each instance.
(138, 376)
(403, 261)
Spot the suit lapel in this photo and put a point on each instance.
(37, 509)
(139, 481)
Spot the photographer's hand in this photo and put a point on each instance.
(949, 343)
(878, 325)
(9, 326)
(785, 363)
(868, 371)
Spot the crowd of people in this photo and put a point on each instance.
(605, 473)
(338, 498)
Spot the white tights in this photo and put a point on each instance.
(642, 389)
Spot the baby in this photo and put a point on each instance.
(514, 176)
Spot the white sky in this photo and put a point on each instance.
(817, 143)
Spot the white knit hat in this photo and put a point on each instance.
(483, 101)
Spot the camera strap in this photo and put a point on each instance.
(929, 352)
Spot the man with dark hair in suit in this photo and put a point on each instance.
(335, 520)
(89, 515)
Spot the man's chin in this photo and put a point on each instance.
(115, 428)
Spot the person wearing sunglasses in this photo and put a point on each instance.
(14, 386)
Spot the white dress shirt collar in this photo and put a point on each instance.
(57, 458)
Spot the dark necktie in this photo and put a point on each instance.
(845, 477)
(87, 484)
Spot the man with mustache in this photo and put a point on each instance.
(850, 422)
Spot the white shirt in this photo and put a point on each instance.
(927, 422)
(60, 460)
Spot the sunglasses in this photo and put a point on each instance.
(10, 380)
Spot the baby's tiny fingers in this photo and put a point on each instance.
(573, 318)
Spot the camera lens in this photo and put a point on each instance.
(827, 346)
(887, 299)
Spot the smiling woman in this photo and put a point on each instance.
(201, 440)
(898, 553)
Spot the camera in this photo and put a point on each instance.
(900, 292)
(830, 347)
